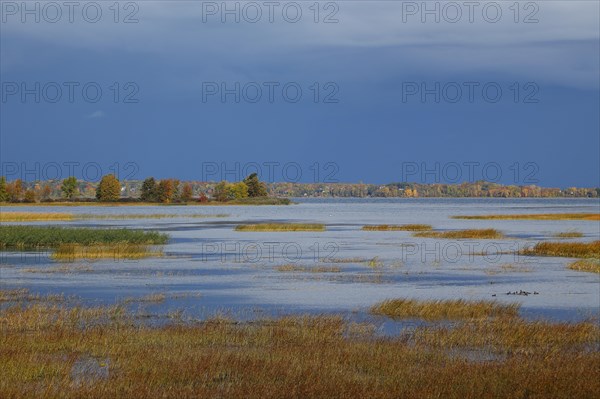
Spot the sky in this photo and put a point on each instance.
(340, 91)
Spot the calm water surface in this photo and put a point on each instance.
(209, 268)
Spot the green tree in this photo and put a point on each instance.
(256, 188)
(109, 189)
(149, 190)
(238, 190)
(3, 192)
(69, 187)
(221, 191)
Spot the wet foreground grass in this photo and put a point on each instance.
(48, 349)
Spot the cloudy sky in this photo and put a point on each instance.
(373, 91)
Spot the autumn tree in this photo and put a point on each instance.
(15, 190)
(149, 190)
(239, 190)
(168, 190)
(69, 187)
(29, 196)
(3, 192)
(187, 192)
(109, 189)
(256, 188)
(46, 192)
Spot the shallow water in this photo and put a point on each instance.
(210, 268)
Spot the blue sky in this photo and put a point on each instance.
(368, 123)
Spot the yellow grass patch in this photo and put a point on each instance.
(397, 227)
(535, 216)
(565, 249)
(586, 265)
(281, 227)
(458, 234)
(72, 252)
(443, 309)
(34, 216)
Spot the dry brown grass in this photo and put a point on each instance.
(60, 269)
(535, 216)
(397, 227)
(565, 249)
(458, 234)
(292, 357)
(281, 227)
(586, 265)
(34, 216)
(73, 252)
(447, 309)
(308, 269)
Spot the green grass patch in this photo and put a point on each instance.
(31, 237)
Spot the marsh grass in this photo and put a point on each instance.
(150, 298)
(150, 216)
(344, 260)
(34, 216)
(73, 252)
(565, 249)
(35, 237)
(281, 227)
(534, 216)
(443, 309)
(458, 234)
(397, 227)
(586, 265)
(294, 357)
(309, 269)
(569, 234)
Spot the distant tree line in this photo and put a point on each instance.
(110, 189)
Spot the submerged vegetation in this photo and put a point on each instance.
(565, 249)
(281, 227)
(309, 269)
(444, 310)
(397, 227)
(534, 216)
(569, 234)
(32, 237)
(43, 346)
(458, 234)
(586, 265)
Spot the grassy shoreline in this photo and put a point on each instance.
(244, 201)
(48, 349)
(533, 216)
